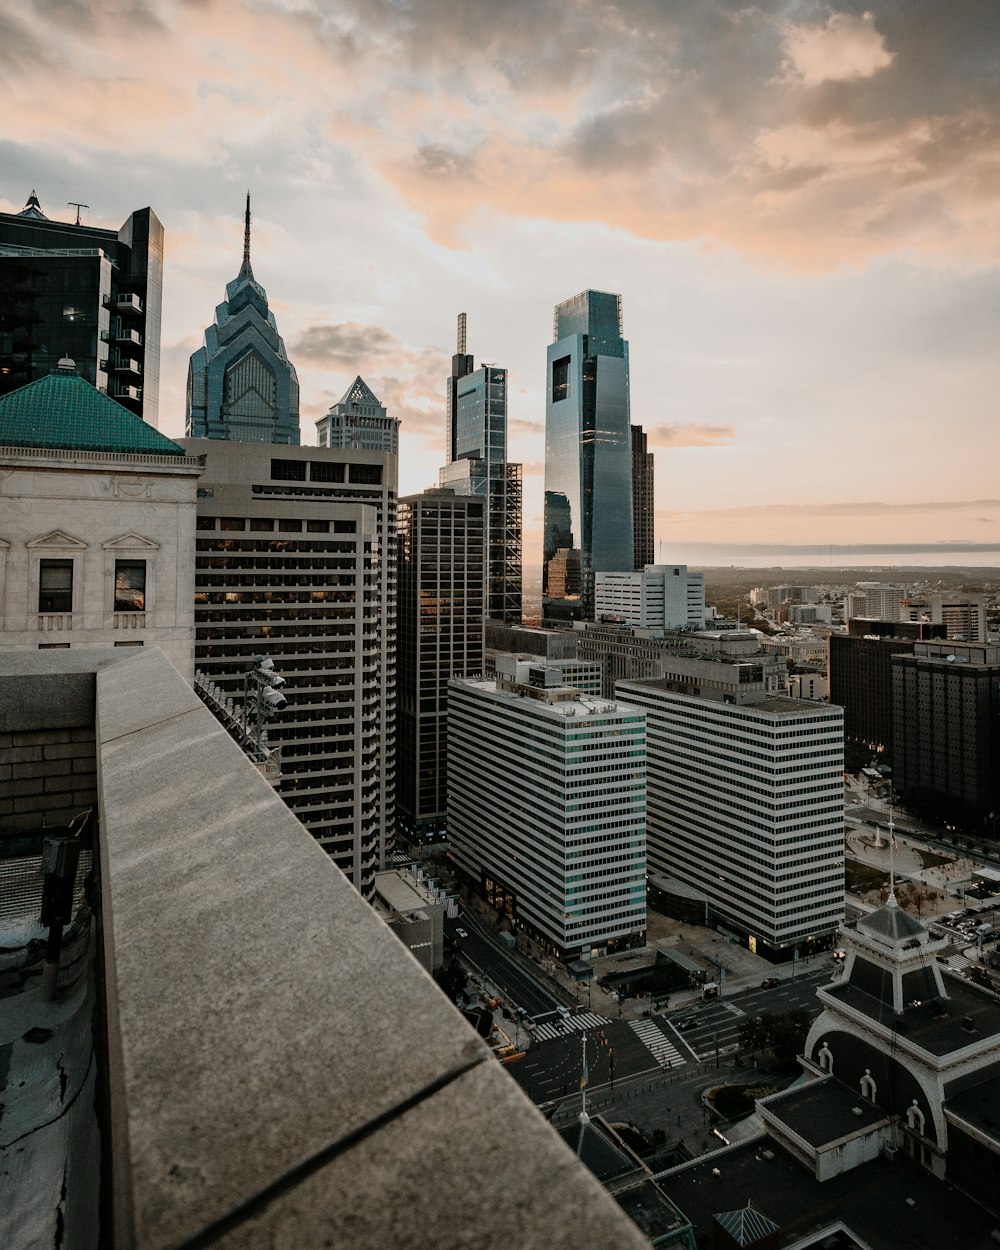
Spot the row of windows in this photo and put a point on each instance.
(55, 586)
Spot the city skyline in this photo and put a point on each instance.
(808, 263)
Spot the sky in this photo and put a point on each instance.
(798, 202)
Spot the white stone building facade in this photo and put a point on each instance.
(97, 549)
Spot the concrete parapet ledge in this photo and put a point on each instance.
(281, 1070)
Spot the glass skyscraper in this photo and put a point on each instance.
(241, 385)
(86, 293)
(588, 521)
(478, 465)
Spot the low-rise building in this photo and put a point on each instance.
(415, 914)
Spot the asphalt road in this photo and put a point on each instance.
(504, 971)
(551, 1070)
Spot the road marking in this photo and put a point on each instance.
(575, 1024)
(657, 1043)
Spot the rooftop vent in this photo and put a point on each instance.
(856, 1111)
(968, 1024)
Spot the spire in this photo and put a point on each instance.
(33, 208)
(246, 271)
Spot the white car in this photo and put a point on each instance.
(462, 933)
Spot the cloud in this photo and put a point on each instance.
(845, 47)
(694, 435)
(339, 346)
(518, 425)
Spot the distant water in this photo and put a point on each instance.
(848, 559)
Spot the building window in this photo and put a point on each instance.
(325, 471)
(288, 470)
(55, 586)
(130, 585)
(560, 379)
(365, 474)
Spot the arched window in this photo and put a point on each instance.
(915, 1118)
(868, 1085)
(825, 1057)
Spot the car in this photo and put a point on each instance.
(685, 1023)
(563, 1011)
(770, 982)
(462, 933)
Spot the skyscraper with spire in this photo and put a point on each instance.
(476, 438)
(241, 385)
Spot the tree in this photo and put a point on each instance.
(452, 979)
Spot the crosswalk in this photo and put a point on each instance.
(657, 1043)
(575, 1024)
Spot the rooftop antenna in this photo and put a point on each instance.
(246, 235)
(74, 204)
(461, 334)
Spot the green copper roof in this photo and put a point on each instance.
(65, 411)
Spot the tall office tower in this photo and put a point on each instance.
(588, 521)
(476, 440)
(296, 560)
(946, 731)
(660, 597)
(643, 506)
(441, 551)
(859, 665)
(359, 422)
(241, 386)
(746, 803)
(90, 295)
(560, 849)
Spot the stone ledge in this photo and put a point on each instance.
(260, 1014)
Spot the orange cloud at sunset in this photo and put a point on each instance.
(800, 205)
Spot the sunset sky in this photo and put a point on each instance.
(799, 203)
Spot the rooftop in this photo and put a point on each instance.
(824, 1111)
(870, 1200)
(566, 709)
(64, 411)
(936, 1025)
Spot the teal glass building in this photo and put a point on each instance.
(588, 521)
(241, 386)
